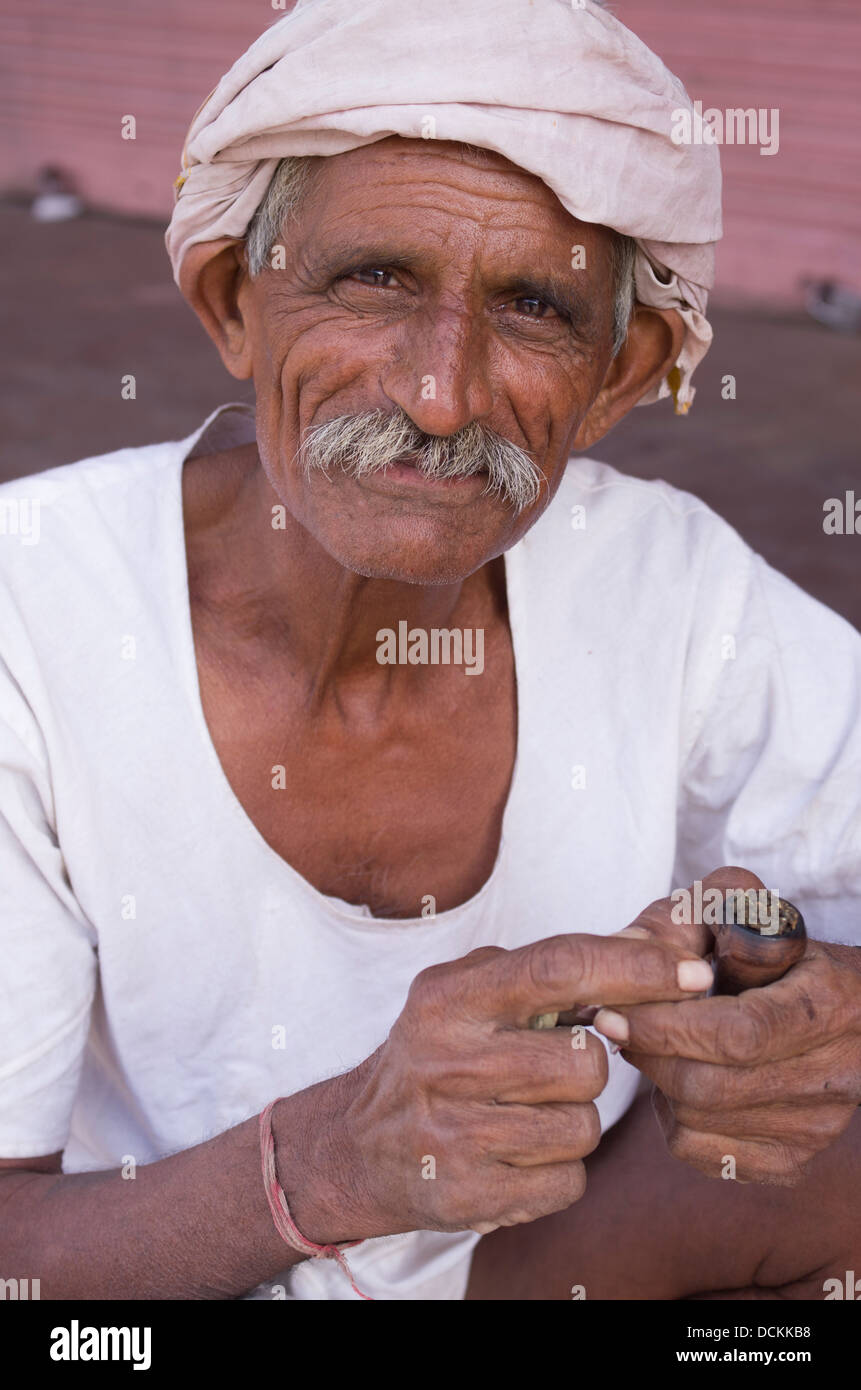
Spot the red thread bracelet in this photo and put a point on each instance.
(284, 1223)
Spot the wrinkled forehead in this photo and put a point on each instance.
(427, 183)
(408, 160)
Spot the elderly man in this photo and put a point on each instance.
(341, 740)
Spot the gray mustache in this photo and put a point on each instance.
(367, 443)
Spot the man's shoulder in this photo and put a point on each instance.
(100, 483)
(622, 521)
(611, 491)
(82, 480)
(68, 533)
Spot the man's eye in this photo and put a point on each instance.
(532, 308)
(373, 275)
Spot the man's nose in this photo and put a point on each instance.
(440, 374)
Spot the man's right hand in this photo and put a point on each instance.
(465, 1118)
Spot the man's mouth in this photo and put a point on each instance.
(407, 470)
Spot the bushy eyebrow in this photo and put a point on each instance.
(569, 301)
(341, 259)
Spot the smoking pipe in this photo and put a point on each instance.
(750, 951)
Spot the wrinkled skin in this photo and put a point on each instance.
(771, 1076)
(505, 1113)
(412, 259)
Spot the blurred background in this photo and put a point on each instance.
(89, 297)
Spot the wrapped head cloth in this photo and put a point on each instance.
(559, 87)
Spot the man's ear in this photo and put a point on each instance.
(210, 278)
(650, 351)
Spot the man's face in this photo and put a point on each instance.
(422, 277)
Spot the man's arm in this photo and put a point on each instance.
(195, 1225)
(506, 1113)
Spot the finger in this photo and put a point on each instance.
(760, 1025)
(558, 1065)
(827, 1076)
(528, 1136)
(583, 1014)
(726, 1156)
(561, 971)
(807, 1129)
(674, 919)
(517, 1195)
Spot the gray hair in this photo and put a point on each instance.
(361, 445)
(290, 183)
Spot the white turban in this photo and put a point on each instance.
(559, 87)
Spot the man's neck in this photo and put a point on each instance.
(277, 589)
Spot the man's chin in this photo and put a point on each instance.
(409, 543)
(422, 565)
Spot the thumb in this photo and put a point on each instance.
(689, 917)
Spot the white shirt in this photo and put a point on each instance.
(165, 973)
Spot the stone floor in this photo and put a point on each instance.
(91, 300)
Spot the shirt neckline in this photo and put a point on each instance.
(219, 432)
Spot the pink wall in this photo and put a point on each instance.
(70, 72)
(798, 212)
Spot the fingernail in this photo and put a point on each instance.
(612, 1025)
(695, 975)
(639, 933)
